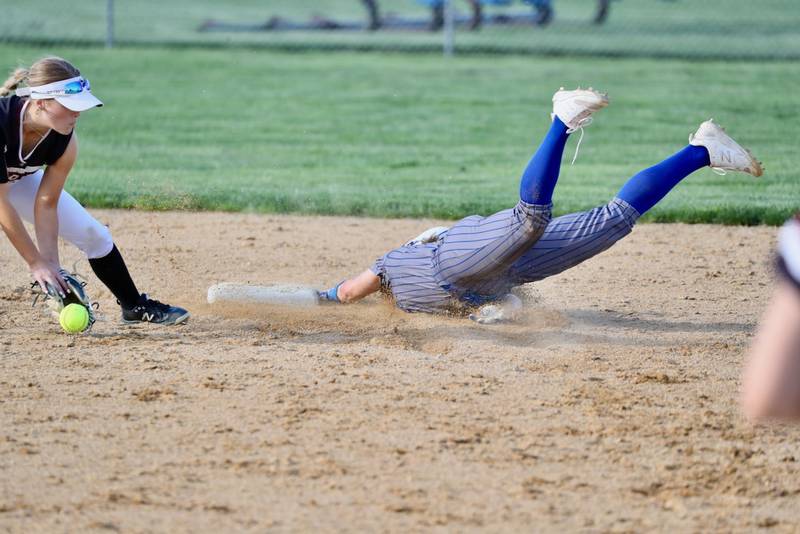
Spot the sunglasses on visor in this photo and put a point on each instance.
(78, 86)
(72, 86)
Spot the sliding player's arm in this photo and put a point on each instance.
(352, 289)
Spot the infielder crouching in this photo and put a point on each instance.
(479, 260)
(39, 108)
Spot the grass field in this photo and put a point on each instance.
(714, 28)
(410, 135)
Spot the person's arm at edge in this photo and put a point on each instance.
(771, 382)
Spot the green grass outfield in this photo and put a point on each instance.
(410, 135)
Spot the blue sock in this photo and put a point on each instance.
(541, 174)
(645, 189)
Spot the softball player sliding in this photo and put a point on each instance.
(480, 259)
(39, 148)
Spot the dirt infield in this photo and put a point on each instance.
(611, 406)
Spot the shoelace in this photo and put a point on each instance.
(586, 121)
(160, 306)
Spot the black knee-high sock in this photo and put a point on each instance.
(111, 270)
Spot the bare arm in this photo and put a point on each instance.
(353, 289)
(45, 208)
(771, 384)
(42, 260)
(41, 270)
(15, 230)
(359, 287)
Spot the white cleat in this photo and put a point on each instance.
(509, 308)
(575, 108)
(725, 153)
(428, 236)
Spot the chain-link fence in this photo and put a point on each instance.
(767, 29)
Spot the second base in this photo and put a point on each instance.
(287, 294)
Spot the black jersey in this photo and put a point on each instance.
(13, 164)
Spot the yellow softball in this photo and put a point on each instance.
(74, 318)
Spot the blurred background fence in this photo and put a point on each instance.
(723, 29)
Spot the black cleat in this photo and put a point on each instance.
(152, 311)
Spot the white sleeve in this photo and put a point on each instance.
(789, 247)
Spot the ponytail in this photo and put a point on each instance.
(14, 81)
(46, 70)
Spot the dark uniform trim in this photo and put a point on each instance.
(784, 274)
(787, 261)
(48, 152)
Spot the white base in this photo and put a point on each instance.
(286, 294)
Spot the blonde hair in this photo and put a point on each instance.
(46, 70)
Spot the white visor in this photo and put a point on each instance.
(73, 93)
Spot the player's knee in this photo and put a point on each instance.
(98, 241)
(535, 217)
(533, 230)
(619, 209)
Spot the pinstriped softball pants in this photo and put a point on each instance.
(565, 242)
(478, 249)
(572, 239)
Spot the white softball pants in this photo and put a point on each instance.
(75, 225)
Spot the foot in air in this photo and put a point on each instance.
(725, 153)
(575, 108)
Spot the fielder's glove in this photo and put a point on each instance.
(507, 309)
(76, 294)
